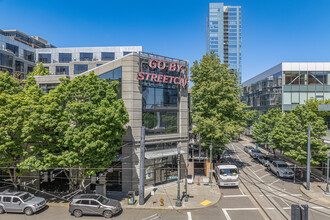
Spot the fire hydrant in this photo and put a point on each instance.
(161, 201)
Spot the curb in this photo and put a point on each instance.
(177, 208)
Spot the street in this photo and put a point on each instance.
(261, 195)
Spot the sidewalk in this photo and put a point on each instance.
(316, 193)
(200, 196)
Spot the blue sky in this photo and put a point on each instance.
(273, 31)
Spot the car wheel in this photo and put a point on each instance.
(28, 211)
(77, 213)
(2, 210)
(277, 174)
(268, 168)
(107, 214)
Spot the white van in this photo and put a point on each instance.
(227, 175)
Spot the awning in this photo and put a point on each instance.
(162, 153)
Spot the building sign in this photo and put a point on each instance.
(159, 73)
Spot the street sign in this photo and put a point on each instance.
(212, 171)
(173, 177)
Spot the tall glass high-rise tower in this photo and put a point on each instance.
(224, 34)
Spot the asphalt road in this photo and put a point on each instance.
(261, 195)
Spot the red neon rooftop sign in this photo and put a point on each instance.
(163, 78)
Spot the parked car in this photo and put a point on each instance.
(266, 159)
(235, 140)
(94, 204)
(281, 169)
(247, 149)
(254, 153)
(21, 202)
(190, 179)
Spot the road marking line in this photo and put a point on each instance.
(264, 175)
(241, 190)
(254, 165)
(275, 181)
(189, 215)
(240, 209)
(233, 196)
(154, 216)
(259, 170)
(226, 214)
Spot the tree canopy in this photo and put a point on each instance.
(218, 113)
(78, 125)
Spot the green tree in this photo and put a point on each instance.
(39, 70)
(313, 105)
(16, 104)
(263, 128)
(218, 114)
(80, 126)
(291, 135)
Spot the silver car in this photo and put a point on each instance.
(281, 169)
(24, 202)
(94, 204)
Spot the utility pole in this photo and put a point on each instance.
(186, 186)
(142, 154)
(199, 147)
(327, 189)
(308, 158)
(210, 177)
(178, 201)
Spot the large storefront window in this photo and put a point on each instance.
(160, 170)
(160, 110)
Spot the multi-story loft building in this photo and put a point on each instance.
(287, 85)
(155, 92)
(224, 35)
(15, 57)
(72, 61)
(34, 42)
(19, 53)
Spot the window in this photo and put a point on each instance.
(84, 202)
(12, 48)
(6, 60)
(65, 57)
(94, 202)
(86, 56)
(107, 56)
(126, 52)
(113, 75)
(62, 70)
(28, 55)
(16, 200)
(99, 64)
(6, 199)
(19, 66)
(44, 58)
(80, 68)
(160, 110)
(47, 87)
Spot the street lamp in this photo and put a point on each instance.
(327, 189)
(178, 201)
(210, 171)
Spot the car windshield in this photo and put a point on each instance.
(189, 176)
(282, 165)
(228, 172)
(103, 200)
(26, 197)
(256, 151)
